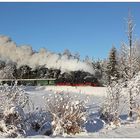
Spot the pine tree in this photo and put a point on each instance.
(112, 66)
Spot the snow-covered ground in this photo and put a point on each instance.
(96, 127)
(96, 95)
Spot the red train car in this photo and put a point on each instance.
(77, 84)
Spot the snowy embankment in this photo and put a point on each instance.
(96, 91)
(95, 128)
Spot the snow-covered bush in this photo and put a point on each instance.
(137, 111)
(68, 113)
(13, 101)
(110, 110)
(12, 124)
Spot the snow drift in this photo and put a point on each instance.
(24, 55)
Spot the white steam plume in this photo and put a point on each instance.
(24, 55)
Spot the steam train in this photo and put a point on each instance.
(57, 82)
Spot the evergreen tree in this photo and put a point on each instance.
(112, 66)
(24, 72)
(98, 70)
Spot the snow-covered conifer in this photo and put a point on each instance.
(112, 66)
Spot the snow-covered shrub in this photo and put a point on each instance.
(13, 101)
(12, 124)
(68, 113)
(110, 109)
(137, 111)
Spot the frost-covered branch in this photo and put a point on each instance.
(68, 113)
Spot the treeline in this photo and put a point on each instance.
(11, 71)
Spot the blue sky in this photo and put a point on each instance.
(87, 28)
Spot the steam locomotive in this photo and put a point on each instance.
(87, 81)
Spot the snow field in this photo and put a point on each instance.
(94, 127)
(97, 95)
